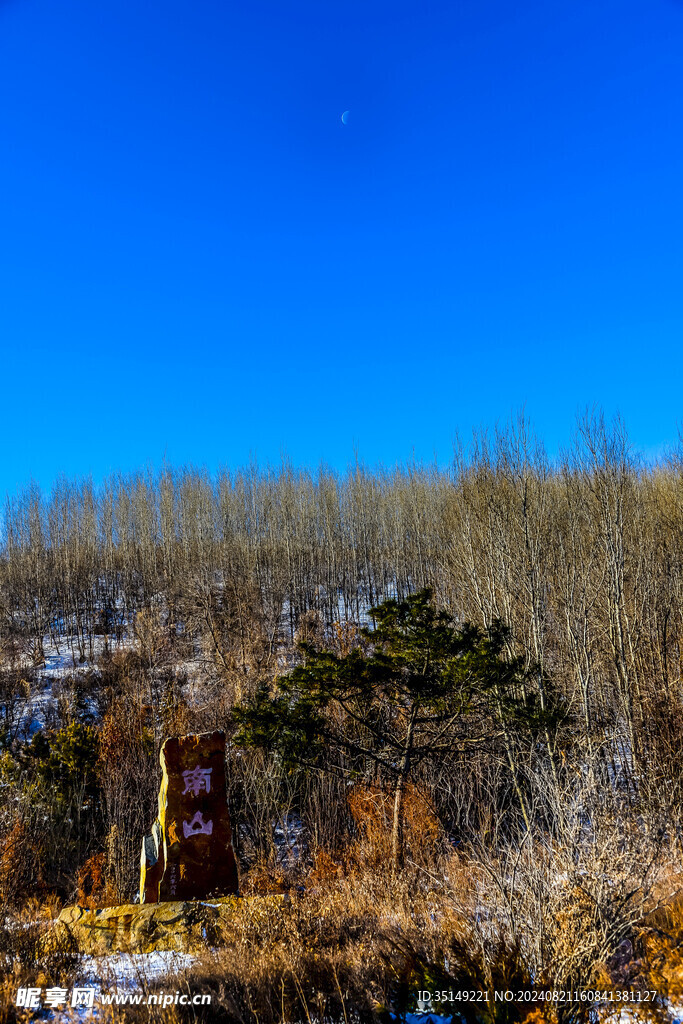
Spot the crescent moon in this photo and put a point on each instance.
(345, 117)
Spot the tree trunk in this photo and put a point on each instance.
(399, 792)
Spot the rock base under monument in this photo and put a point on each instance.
(186, 927)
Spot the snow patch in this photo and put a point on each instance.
(132, 970)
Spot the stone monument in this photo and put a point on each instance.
(189, 855)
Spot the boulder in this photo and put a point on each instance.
(184, 926)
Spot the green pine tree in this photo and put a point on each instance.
(421, 689)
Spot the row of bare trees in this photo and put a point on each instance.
(582, 558)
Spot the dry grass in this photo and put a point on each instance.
(652, 958)
(352, 945)
(355, 947)
(23, 960)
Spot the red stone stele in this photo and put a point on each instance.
(189, 854)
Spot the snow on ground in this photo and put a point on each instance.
(638, 1013)
(38, 707)
(30, 712)
(131, 970)
(120, 973)
(34, 711)
(289, 839)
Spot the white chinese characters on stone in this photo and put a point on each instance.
(196, 779)
(197, 826)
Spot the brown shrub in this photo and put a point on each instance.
(262, 880)
(95, 886)
(324, 869)
(21, 863)
(372, 809)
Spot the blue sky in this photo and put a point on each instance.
(200, 262)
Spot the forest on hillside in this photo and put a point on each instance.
(177, 600)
